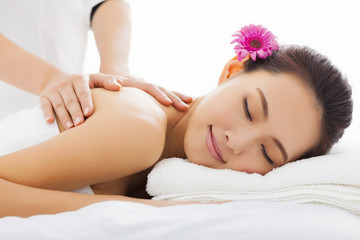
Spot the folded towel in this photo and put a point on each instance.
(332, 179)
(23, 129)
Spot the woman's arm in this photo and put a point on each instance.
(125, 135)
(23, 201)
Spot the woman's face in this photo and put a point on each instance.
(253, 123)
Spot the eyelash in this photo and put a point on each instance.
(248, 116)
(246, 109)
(267, 158)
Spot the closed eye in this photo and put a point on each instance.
(246, 109)
(267, 158)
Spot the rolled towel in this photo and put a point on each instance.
(331, 179)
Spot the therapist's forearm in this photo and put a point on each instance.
(112, 29)
(23, 69)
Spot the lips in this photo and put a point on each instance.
(212, 146)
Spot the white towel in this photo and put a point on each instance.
(27, 128)
(24, 129)
(333, 179)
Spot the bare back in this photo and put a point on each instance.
(111, 151)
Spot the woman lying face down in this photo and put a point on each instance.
(264, 114)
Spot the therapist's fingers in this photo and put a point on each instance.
(82, 98)
(163, 95)
(69, 96)
(153, 90)
(58, 105)
(149, 88)
(183, 97)
(71, 99)
(83, 94)
(176, 101)
(47, 109)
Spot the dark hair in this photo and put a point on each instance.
(328, 85)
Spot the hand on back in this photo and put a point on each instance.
(69, 95)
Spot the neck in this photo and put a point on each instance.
(176, 129)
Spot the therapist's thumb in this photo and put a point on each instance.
(108, 82)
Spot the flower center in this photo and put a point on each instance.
(255, 43)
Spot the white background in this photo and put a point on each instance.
(183, 45)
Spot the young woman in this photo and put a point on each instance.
(264, 114)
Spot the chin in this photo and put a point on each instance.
(188, 155)
(193, 148)
(191, 155)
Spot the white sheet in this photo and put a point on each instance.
(3, 114)
(233, 220)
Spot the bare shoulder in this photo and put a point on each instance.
(127, 101)
(133, 119)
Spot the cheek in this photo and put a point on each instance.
(222, 105)
(250, 162)
(194, 144)
(226, 114)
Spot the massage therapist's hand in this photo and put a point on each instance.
(163, 95)
(69, 95)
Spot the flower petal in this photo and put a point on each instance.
(262, 54)
(244, 53)
(253, 56)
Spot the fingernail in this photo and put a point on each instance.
(86, 111)
(184, 104)
(48, 119)
(116, 82)
(69, 124)
(77, 120)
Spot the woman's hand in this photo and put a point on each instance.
(69, 95)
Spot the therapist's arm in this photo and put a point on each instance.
(67, 94)
(23, 69)
(111, 25)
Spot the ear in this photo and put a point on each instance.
(232, 67)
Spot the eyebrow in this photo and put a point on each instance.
(263, 102)
(265, 108)
(282, 149)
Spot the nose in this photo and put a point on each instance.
(238, 142)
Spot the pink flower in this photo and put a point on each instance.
(254, 40)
